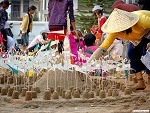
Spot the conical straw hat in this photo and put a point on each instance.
(119, 20)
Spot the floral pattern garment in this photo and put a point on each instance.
(3, 18)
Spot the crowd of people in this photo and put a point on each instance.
(126, 22)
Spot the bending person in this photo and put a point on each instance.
(133, 27)
(39, 39)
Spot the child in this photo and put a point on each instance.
(54, 46)
(89, 41)
(101, 20)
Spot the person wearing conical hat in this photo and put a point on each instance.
(131, 26)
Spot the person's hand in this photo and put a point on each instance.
(46, 42)
(23, 34)
(148, 47)
(97, 54)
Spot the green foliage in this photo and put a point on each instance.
(85, 17)
(35, 17)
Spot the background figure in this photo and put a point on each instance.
(89, 41)
(26, 26)
(40, 39)
(3, 19)
(96, 29)
(57, 18)
(101, 20)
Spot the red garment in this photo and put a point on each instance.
(123, 6)
(102, 20)
(96, 29)
(57, 36)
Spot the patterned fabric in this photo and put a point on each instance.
(3, 17)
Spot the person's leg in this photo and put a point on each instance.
(148, 80)
(134, 54)
(31, 49)
(25, 41)
(141, 83)
(148, 83)
(146, 41)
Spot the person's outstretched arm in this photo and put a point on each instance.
(148, 47)
(103, 47)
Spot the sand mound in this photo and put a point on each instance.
(64, 79)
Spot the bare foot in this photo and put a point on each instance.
(140, 86)
(147, 89)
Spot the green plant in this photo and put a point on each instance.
(85, 17)
(35, 17)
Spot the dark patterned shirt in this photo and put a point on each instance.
(3, 17)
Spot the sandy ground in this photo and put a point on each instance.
(124, 104)
(138, 100)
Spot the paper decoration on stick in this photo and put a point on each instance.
(30, 73)
(13, 69)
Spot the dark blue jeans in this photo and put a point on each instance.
(25, 39)
(31, 49)
(135, 53)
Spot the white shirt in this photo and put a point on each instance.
(37, 39)
(10, 43)
(6, 25)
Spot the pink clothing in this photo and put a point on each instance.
(73, 49)
(37, 39)
(92, 49)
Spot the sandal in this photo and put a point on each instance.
(140, 85)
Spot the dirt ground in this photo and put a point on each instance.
(136, 102)
(121, 104)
